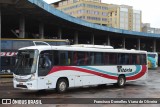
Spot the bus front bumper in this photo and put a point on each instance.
(29, 85)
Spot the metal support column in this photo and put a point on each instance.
(154, 46)
(22, 27)
(76, 38)
(139, 44)
(124, 43)
(60, 33)
(92, 39)
(41, 30)
(108, 41)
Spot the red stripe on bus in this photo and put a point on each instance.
(60, 68)
(140, 74)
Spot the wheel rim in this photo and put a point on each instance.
(62, 86)
(121, 81)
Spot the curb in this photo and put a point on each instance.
(6, 80)
(2, 82)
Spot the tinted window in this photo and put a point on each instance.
(98, 59)
(91, 58)
(106, 58)
(134, 60)
(123, 59)
(63, 57)
(143, 59)
(113, 59)
(152, 55)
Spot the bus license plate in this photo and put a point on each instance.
(20, 83)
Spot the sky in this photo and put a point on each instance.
(150, 9)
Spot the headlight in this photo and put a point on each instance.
(32, 77)
(14, 76)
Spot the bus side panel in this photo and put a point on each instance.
(77, 79)
(86, 75)
(93, 75)
(52, 79)
(140, 73)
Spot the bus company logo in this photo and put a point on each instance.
(6, 101)
(8, 53)
(121, 69)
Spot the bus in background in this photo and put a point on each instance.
(152, 60)
(62, 67)
(9, 49)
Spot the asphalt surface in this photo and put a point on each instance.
(147, 89)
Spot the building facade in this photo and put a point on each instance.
(94, 11)
(148, 29)
(124, 17)
(90, 10)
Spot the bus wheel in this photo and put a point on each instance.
(121, 81)
(62, 85)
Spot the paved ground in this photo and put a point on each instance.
(148, 89)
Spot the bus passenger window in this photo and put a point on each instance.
(75, 58)
(138, 59)
(82, 58)
(106, 58)
(91, 58)
(143, 59)
(98, 58)
(133, 59)
(86, 59)
(113, 58)
(63, 56)
(70, 59)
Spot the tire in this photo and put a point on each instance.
(121, 81)
(62, 85)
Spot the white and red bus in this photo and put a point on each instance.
(62, 67)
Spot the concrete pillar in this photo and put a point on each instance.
(154, 46)
(92, 39)
(139, 44)
(0, 23)
(124, 43)
(76, 37)
(41, 30)
(108, 41)
(22, 27)
(60, 33)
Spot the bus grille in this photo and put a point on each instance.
(21, 80)
(22, 86)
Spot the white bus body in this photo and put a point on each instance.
(95, 66)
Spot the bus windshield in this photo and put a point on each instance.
(26, 62)
(152, 55)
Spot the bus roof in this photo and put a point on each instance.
(77, 48)
(152, 53)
